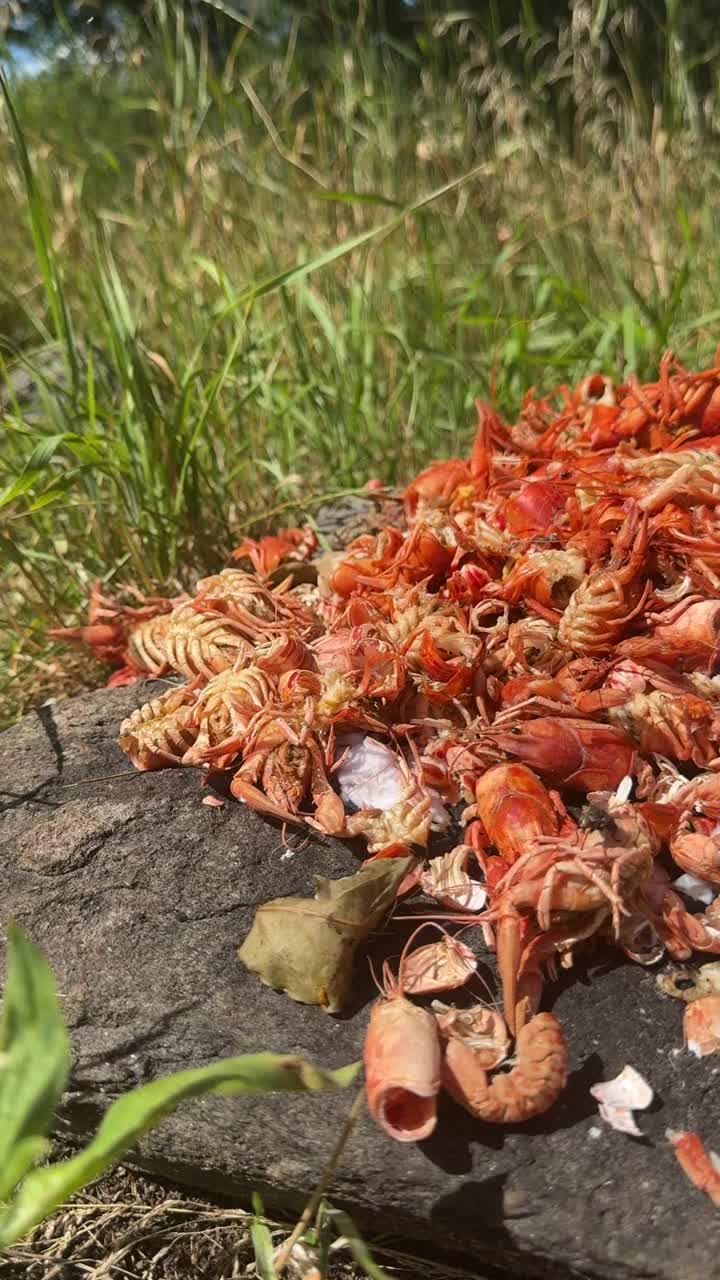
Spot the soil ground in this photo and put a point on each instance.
(136, 1228)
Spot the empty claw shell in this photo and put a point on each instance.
(402, 1069)
(702, 1167)
(641, 941)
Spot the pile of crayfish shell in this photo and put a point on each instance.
(536, 644)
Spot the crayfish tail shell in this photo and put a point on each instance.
(534, 1084)
(402, 1069)
(405, 1115)
(464, 1079)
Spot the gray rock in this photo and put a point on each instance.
(346, 518)
(139, 896)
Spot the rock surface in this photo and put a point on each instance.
(346, 518)
(139, 895)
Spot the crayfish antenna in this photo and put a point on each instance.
(380, 985)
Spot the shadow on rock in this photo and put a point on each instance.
(482, 1203)
(484, 1206)
(451, 1145)
(16, 799)
(588, 970)
(477, 1201)
(138, 1039)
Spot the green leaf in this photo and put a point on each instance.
(17, 488)
(140, 1110)
(44, 451)
(45, 499)
(34, 1059)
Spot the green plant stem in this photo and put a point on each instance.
(313, 1204)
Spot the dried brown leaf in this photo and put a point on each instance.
(305, 946)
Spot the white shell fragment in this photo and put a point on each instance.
(440, 818)
(624, 789)
(370, 776)
(618, 1098)
(694, 887)
(213, 802)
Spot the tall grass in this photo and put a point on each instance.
(209, 272)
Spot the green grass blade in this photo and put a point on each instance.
(324, 259)
(141, 1109)
(216, 388)
(346, 1229)
(281, 279)
(356, 197)
(42, 239)
(34, 1059)
(261, 1237)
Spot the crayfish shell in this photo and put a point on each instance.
(159, 733)
(402, 1069)
(204, 644)
(147, 645)
(534, 1084)
(439, 966)
(701, 1026)
(237, 594)
(483, 1030)
(223, 711)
